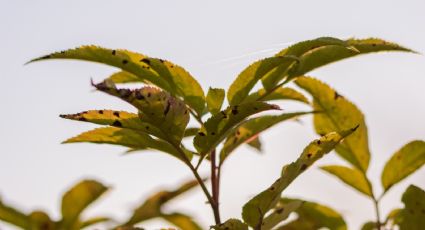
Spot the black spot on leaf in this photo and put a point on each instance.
(117, 123)
(124, 61)
(139, 96)
(82, 119)
(100, 111)
(116, 113)
(279, 210)
(235, 110)
(201, 134)
(114, 52)
(309, 155)
(304, 167)
(145, 60)
(336, 95)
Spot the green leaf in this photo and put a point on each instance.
(119, 119)
(78, 198)
(351, 176)
(412, 216)
(151, 207)
(13, 216)
(280, 213)
(182, 221)
(251, 129)
(125, 137)
(161, 73)
(337, 113)
(247, 79)
(404, 162)
(255, 143)
(216, 127)
(254, 211)
(312, 215)
(125, 77)
(319, 52)
(93, 221)
(156, 107)
(192, 131)
(41, 221)
(393, 217)
(231, 224)
(215, 98)
(282, 93)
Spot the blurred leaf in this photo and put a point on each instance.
(156, 107)
(79, 198)
(119, 119)
(192, 131)
(393, 217)
(319, 52)
(13, 216)
(93, 221)
(182, 221)
(280, 213)
(352, 177)
(404, 162)
(251, 129)
(217, 126)
(412, 217)
(282, 93)
(337, 113)
(312, 215)
(247, 79)
(151, 207)
(161, 73)
(215, 97)
(254, 211)
(41, 221)
(124, 77)
(370, 225)
(231, 224)
(125, 137)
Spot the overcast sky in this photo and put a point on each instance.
(214, 40)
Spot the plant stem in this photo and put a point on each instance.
(215, 185)
(378, 217)
(212, 202)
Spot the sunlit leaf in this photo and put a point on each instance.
(124, 77)
(351, 176)
(312, 215)
(161, 73)
(78, 198)
(151, 207)
(282, 93)
(319, 52)
(412, 217)
(247, 79)
(215, 98)
(231, 224)
(337, 113)
(404, 162)
(182, 221)
(217, 127)
(125, 137)
(13, 216)
(156, 107)
(41, 221)
(114, 118)
(280, 213)
(93, 221)
(254, 211)
(251, 129)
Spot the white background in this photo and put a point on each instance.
(214, 40)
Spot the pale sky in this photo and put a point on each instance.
(214, 40)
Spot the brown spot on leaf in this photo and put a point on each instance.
(309, 155)
(82, 119)
(139, 95)
(114, 52)
(279, 210)
(201, 134)
(235, 110)
(116, 113)
(147, 127)
(336, 95)
(167, 108)
(100, 111)
(124, 93)
(124, 61)
(304, 167)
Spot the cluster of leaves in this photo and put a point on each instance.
(172, 96)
